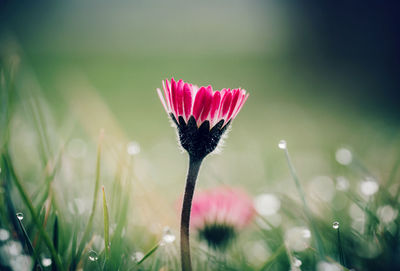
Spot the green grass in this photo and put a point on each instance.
(53, 166)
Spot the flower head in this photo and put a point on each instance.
(218, 214)
(200, 114)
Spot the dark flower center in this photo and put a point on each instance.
(217, 236)
(199, 141)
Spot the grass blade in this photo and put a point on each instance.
(28, 243)
(94, 205)
(55, 239)
(148, 254)
(106, 226)
(307, 211)
(35, 218)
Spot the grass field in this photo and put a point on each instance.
(75, 120)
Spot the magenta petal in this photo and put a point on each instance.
(173, 97)
(207, 104)
(179, 97)
(244, 99)
(214, 106)
(167, 94)
(225, 104)
(235, 98)
(198, 102)
(187, 100)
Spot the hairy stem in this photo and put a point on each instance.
(193, 171)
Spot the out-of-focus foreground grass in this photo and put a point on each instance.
(75, 120)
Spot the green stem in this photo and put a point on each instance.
(306, 208)
(94, 205)
(193, 171)
(31, 250)
(106, 226)
(340, 248)
(35, 218)
(148, 254)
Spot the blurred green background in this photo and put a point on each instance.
(320, 75)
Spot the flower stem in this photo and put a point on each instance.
(193, 171)
(340, 248)
(307, 211)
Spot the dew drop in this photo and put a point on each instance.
(137, 256)
(20, 216)
(369, 186)
(93, 256)
(4, 235)
(282, 145)
(267, 204)
(297, 262)
(46, 262)
(13, 248)
(344, 156)
(168, 237)
(335, 225)
(298, 238)
(133, 148)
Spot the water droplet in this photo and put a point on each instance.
(13, 248)
(298, 238)
(93, 256)
(344, 156)
(342, 184)
(369, 187)
(168, 237)
(282, 145)
(20, 216)
(297, 262)
(46, 262)
(387, 214)
(335, 225)
(133, 148)
(21, 263)
(4, 235)
(267, 204)
(137, 256)
(326, 266)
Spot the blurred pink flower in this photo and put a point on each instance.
(186, 100)
(222, 205)
(219, 213)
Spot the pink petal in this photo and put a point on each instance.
(226, 102)
(173, 97)
(187, 100)
(235, 98)
(206, 104)
(198, 102)
(167, 93)
(239, 107)
(214, 106)
(162, 99)
(179, 97)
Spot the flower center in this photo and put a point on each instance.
(217, 236)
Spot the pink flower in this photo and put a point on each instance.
(218, 214)
(201, 114)
(185, 100)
